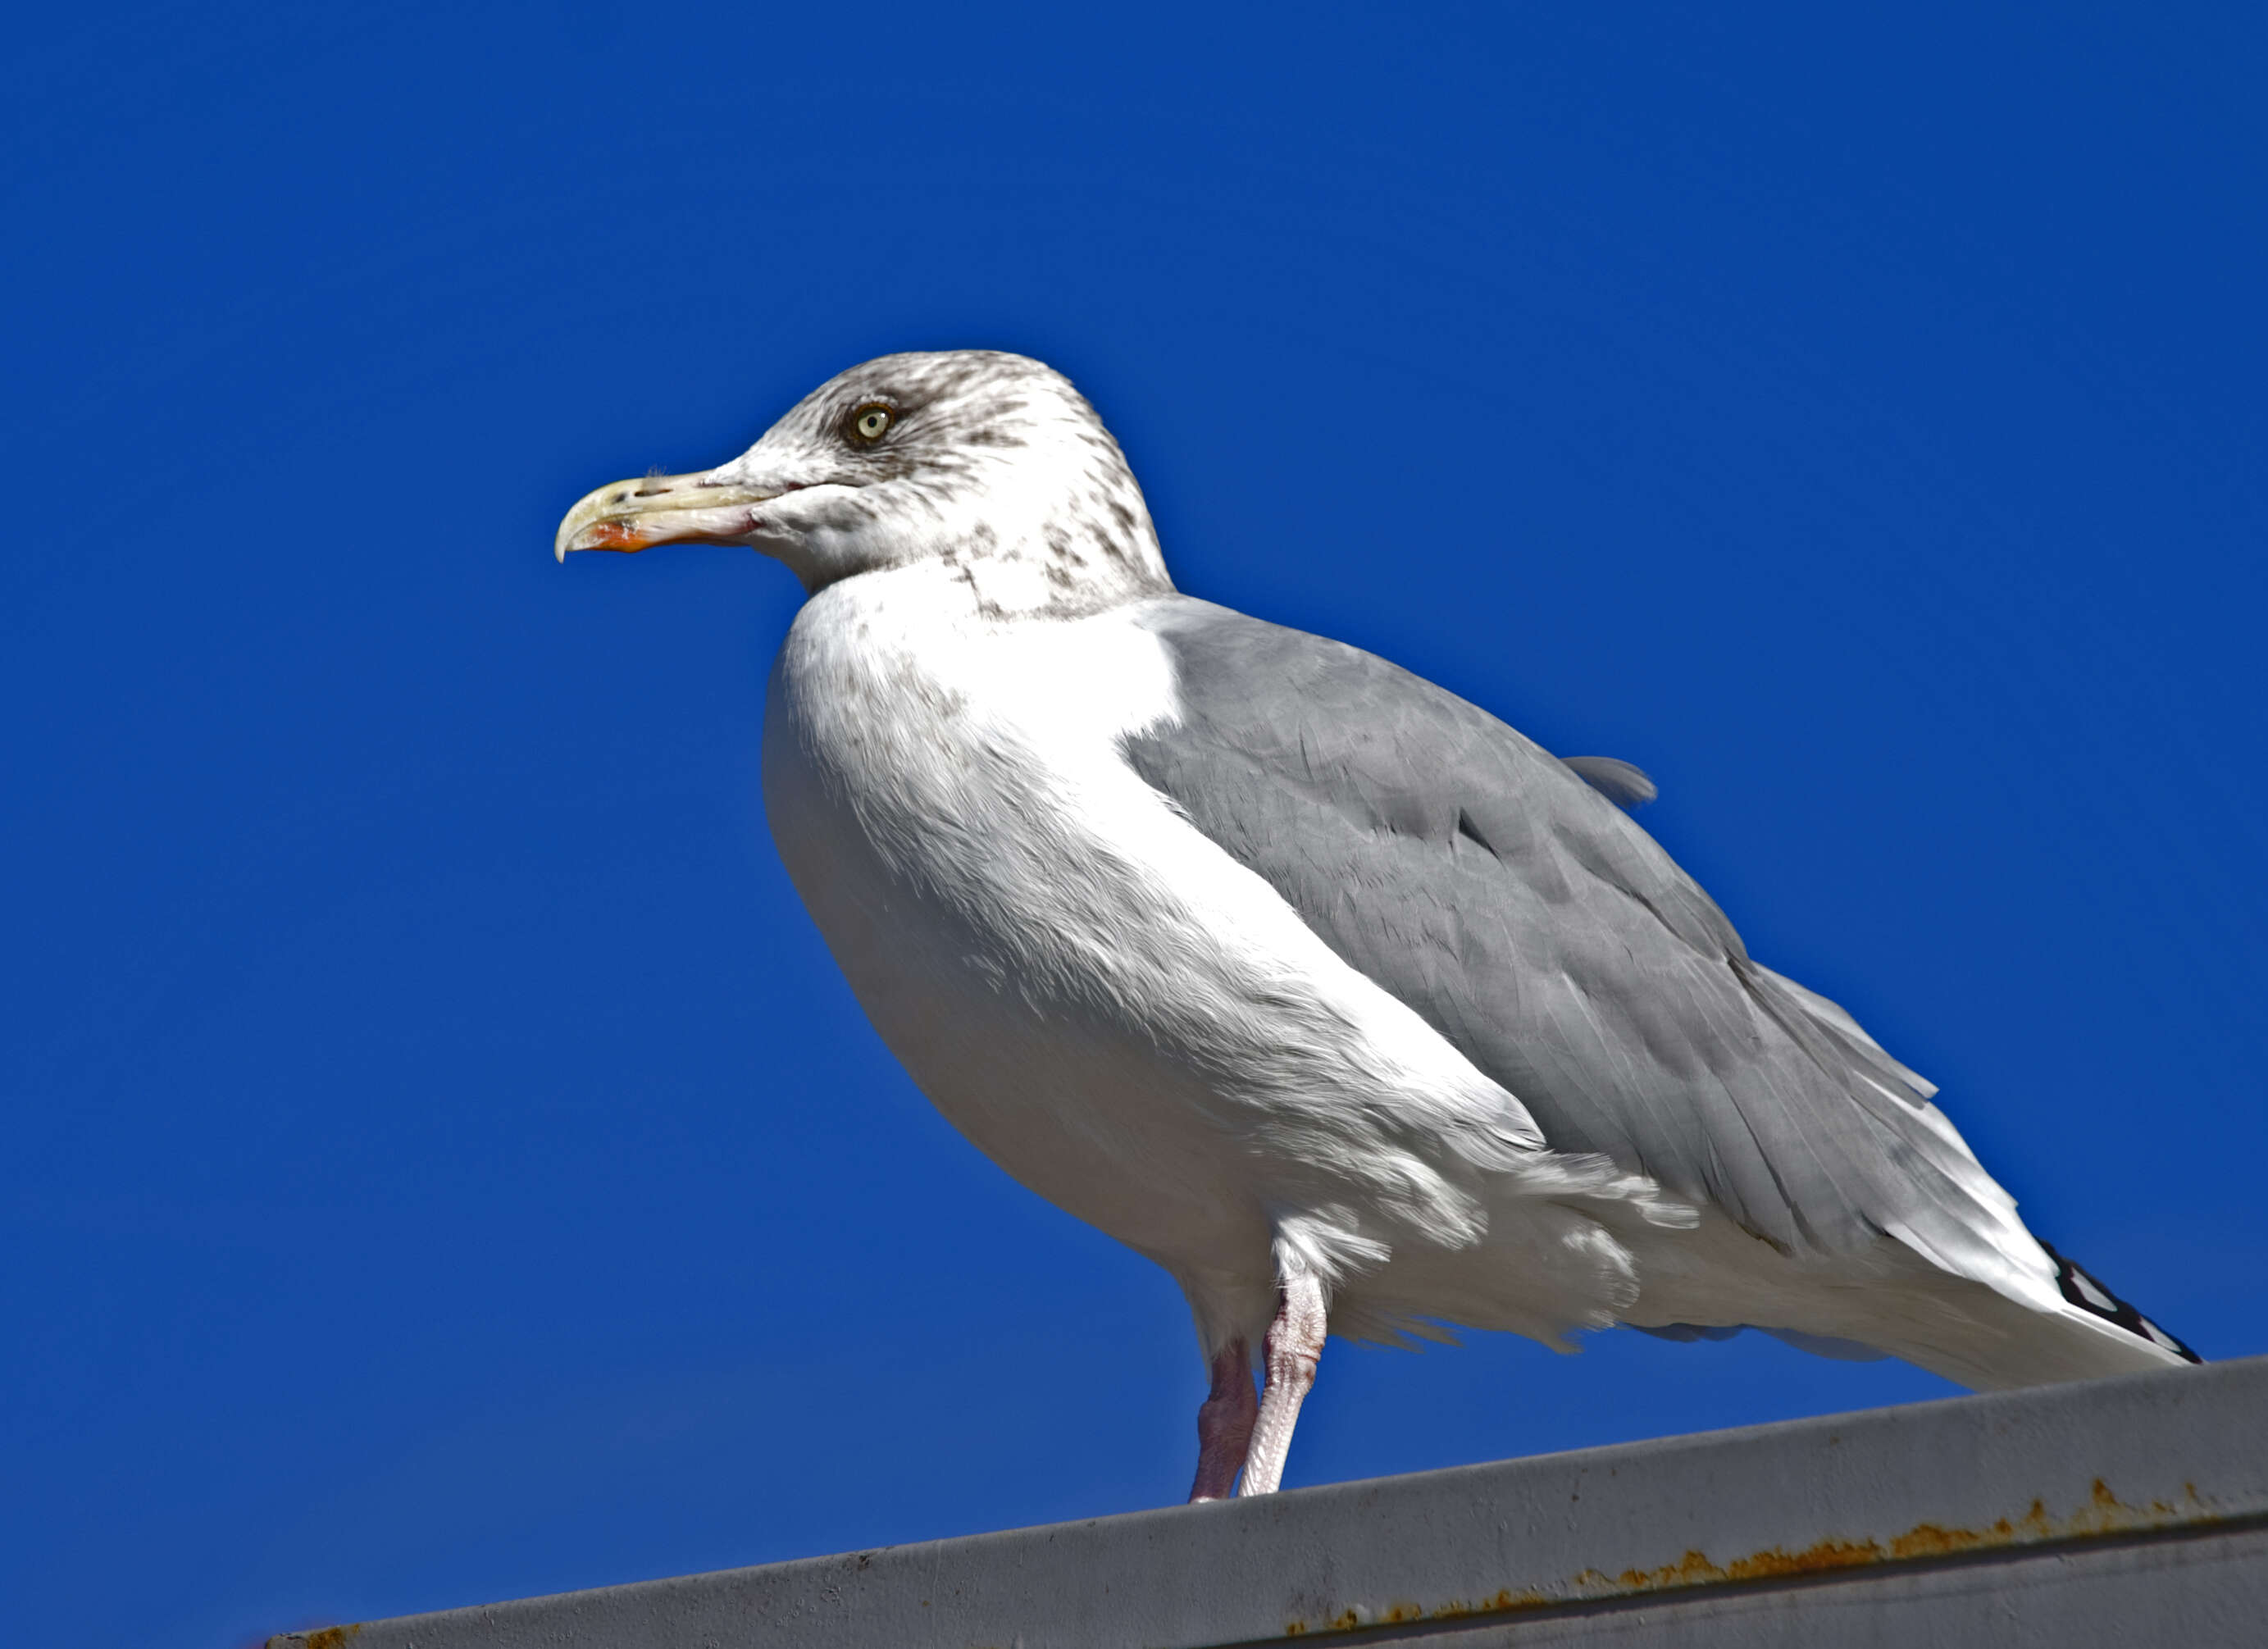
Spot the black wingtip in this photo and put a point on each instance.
(2085, 1290)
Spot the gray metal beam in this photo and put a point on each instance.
(2119, 1510)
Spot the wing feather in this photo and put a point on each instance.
(1504, 897)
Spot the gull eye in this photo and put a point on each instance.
(871, 424)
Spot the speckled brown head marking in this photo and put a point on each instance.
(989, 462)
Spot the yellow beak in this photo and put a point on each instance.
(634, 515)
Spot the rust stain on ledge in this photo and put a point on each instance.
(2103, 1514)
(332, 1636)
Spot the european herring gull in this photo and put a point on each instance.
(1327, 992)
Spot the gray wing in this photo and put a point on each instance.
(1490, 889)
(1626, 786)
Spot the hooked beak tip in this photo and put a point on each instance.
(635, 515)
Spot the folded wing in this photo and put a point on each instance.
(1508, 900)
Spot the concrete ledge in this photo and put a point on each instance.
(2118, 1511)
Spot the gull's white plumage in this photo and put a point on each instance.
(1164, 936)
(1132, 1023)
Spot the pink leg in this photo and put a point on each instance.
(1225, 1424)
(1295, 1340)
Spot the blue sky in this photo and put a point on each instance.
(441, 1162)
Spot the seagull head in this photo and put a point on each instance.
(988, 462)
